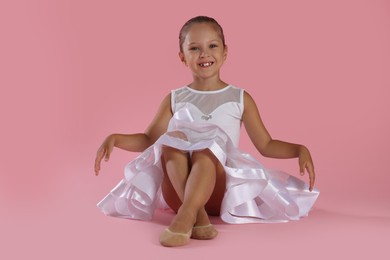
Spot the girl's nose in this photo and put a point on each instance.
(204, 53)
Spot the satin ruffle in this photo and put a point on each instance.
(253, 194)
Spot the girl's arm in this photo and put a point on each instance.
(140, 141)
(274, 148)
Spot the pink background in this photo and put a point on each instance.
(72, 72)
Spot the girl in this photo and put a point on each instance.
(190, 158)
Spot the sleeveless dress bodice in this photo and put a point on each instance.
(223, 107)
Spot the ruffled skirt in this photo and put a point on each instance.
(253, 193)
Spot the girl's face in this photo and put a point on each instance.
(203, 51)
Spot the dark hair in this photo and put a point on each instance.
(199, 19)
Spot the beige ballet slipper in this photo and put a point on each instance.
(174, 239)
(204, 232)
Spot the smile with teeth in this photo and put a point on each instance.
(206, 64)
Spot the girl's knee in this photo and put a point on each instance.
(168, 151)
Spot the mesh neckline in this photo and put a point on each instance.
(208, 91)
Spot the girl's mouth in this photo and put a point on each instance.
(206, 64)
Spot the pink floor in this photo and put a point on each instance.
(70, 227)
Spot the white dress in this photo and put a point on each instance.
(211, 120)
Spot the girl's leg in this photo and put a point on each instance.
(176, 166)
(200, 189)
(213, 205)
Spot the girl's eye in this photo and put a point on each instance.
(194, 48)
(213, 45)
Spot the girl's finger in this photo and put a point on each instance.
(310, 170)
(98, 159)
(302, 168)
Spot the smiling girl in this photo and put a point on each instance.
(190, 158)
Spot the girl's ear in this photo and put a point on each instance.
(225, 52)
(182, 59)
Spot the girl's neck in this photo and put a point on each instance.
(207, 85)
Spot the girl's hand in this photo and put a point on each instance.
(104, 152)
(306, 163)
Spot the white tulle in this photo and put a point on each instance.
(253, 193)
